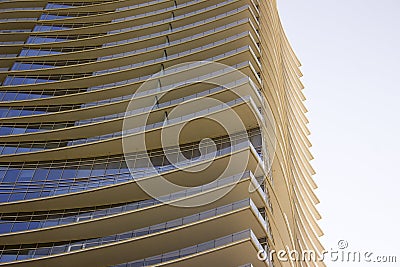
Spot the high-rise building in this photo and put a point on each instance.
(138, 133)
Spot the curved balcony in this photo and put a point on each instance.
(56, 225)
(35, 77)
(243, 107)
(130, 191)
(137, 49)
(30, 183)
(92, 247)
(64, 167)
(228, 250)
(110, 126)
(119, 78)
(80, 126)
(128, 42)
(50, 98)
(9, 96)
(148, 23)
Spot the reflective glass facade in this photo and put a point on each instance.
(88, 92)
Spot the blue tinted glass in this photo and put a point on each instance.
(9, 96)
(40, 174)
(16, 197)
(26, 175)
(83, 173)
(3, 171)
(18, 130)
(6, 258)
(98, 171)
(29, 52)
(3, 112)
(15, 66)
(32, 195)
(54, 5)
(54, 174)
(22, 149)
(42, 80)
(31, 130)
(29, 81)
(5, 130)
(23, 53)
(51, 17)
(17, 80)
(39, 40)
(68, 173)
(23, 257)
(21, 96)
(9, 150)
(4, 197)
(33, 225)
(45, 194)
(36, 66)
(30, 40)
(24, 66)
(45, 28)
(60, 191)
(124, 170)
(7, 80)
(20, 226)
(27, 112)
(14, 113)
(5, 227)
(11, 175)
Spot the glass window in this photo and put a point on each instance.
(40, 174)
(5, 130)
(54, 174)
(22, 149)
(3, 112)
(153, 260)
(206, 246)
(84, 171)
(75, 247)
(23, 256)
(8, 257)
(56, 5)
(14, 113)
(11, 175)
(16, 197)
(8, 96)
(69, 173)
(113, 168)
(18, 130)
(20, 226)
(171, 256)
(3, 198)
(2, 172)
(6, 227)
(33, 225)
(32, 195)
(45, 194)
(99, 170)
(188, 251)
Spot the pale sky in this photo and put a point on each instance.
(350, 55)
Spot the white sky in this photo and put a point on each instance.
(350, 55)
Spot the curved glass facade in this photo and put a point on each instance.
(150, 133)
